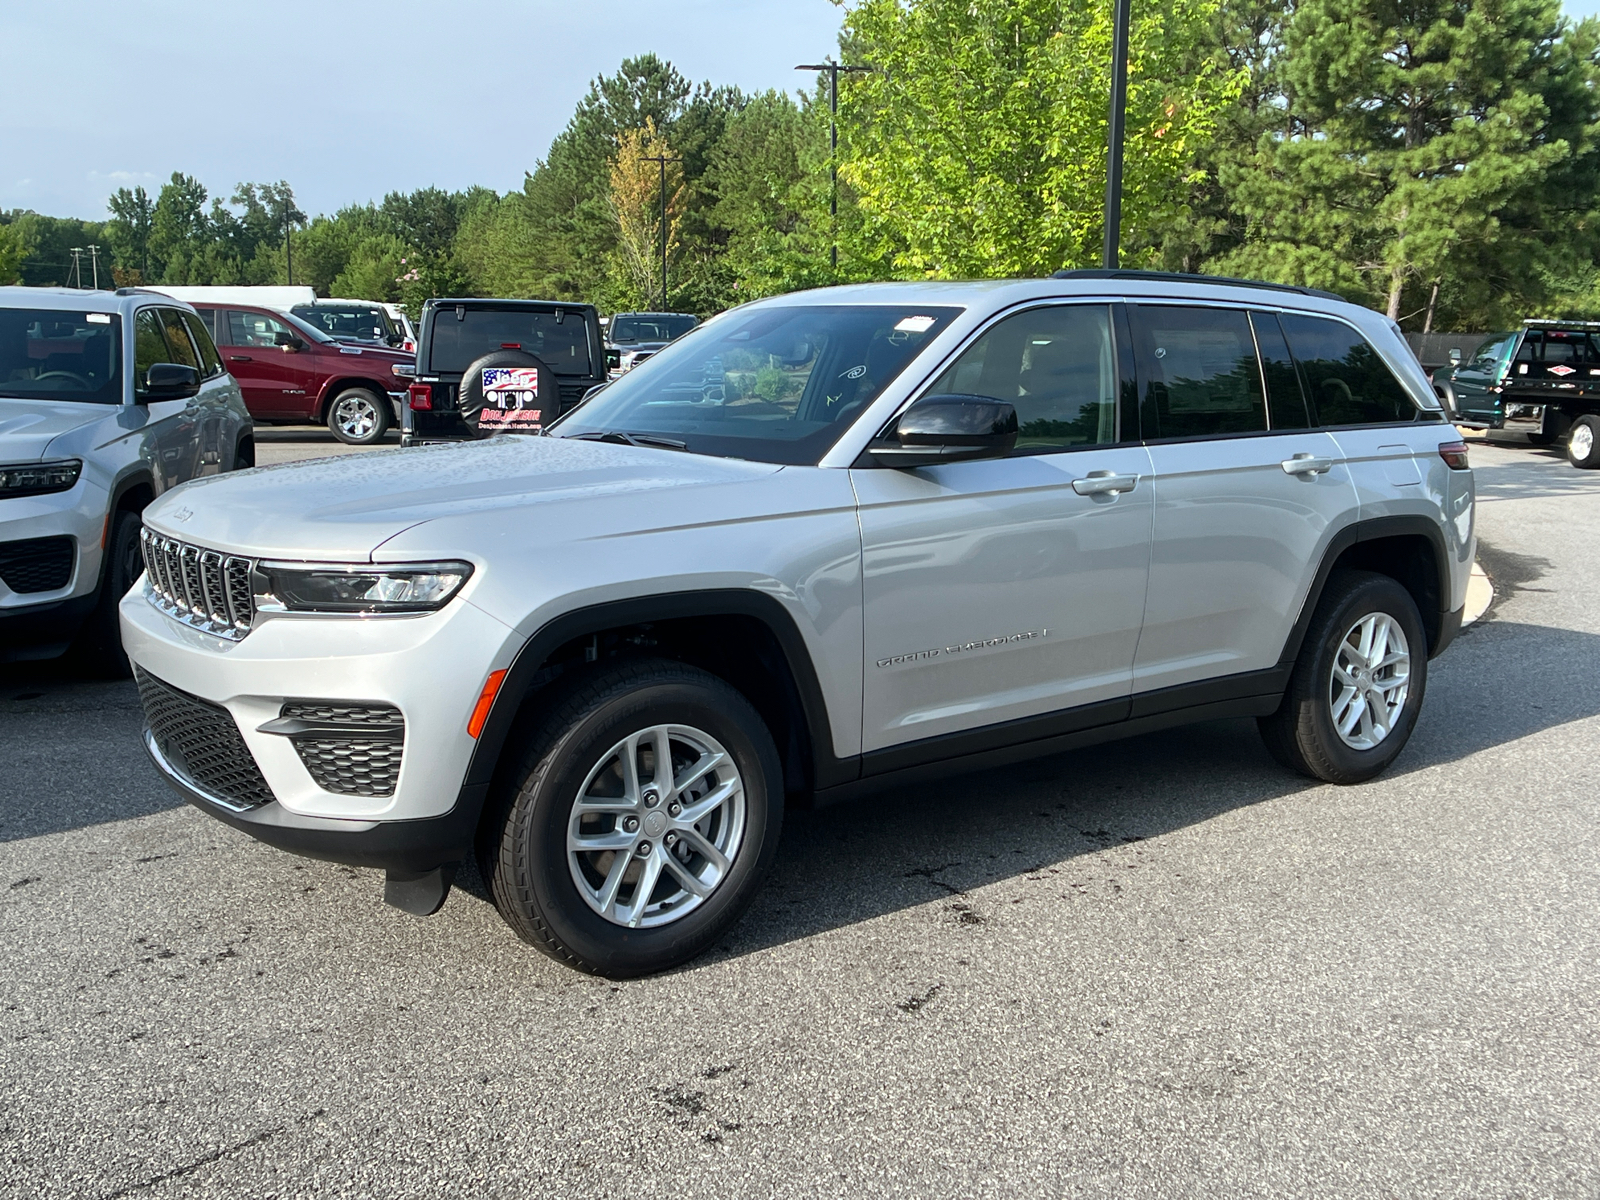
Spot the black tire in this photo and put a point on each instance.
(98, 649)
(358, 416)
(1301, 734)
(525, 854)
(1583, 448)
(470, 398)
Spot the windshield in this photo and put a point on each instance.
(656, 328)
(1490, 353)
(362, 324)
(48, 354)
(777, 384)
(463, 335)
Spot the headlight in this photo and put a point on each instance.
(356, 587)
(36, 479)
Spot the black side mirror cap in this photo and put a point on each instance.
(287, 340)
(950, 428)
(170, 381)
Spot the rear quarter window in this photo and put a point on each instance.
(1346, 380)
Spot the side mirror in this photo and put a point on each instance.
(287, 340)
(170, 381)
(1455, 357)
(953, 428)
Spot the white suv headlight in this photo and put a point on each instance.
(356, 587)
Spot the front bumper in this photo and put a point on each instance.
(412, 847)
(78, 513)
(430, 667)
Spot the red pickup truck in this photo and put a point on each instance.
(290, 372)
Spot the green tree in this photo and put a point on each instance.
(1423, 148)
(128, 231)
(978, 145)
(13, 253)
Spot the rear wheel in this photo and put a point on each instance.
(358, 417)
(1583, 446)
(1358, 684)
(646, 812)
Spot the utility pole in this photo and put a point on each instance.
(1119, 106)
(288, 245)
(833, 69)
(94, 258)
(77, 267)
(663, 159)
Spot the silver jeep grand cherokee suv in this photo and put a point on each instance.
(824, 543)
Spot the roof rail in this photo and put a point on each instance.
(141, 291)
(1562, 322)
(1180, 277)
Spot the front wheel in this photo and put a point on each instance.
(99, 646)
(1357, 686)
(1583, 446)
(645, 813)
(357, 417)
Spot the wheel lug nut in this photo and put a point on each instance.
(630, 825)
(644, 849)
(674, 808)
(652, 798)
(671, 839)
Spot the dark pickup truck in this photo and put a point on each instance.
(1544, 378)
(487, 366)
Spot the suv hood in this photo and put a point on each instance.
(343, 508)
(27, 427)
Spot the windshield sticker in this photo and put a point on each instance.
(915, 325)
(99, 318)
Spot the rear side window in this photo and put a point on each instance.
(209, 359)
(1056, 365)
(1347, 381)
(149, 346)
(1199, 371)
(208, 317)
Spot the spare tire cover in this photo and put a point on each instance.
(508, 391)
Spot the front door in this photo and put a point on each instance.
(1247, 493)
(171, 435)
(1473, 379)
(274, 379)
(1008, 589)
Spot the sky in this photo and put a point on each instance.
(345, 99)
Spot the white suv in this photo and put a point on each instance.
(106, 401)
(824, 543)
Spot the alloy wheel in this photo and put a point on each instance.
(1582, 442)
(356, 416)
(656, 826)
(1370, 680)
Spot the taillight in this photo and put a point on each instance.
(1454, 455)
(420, 396)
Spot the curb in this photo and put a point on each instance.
(1480, 594)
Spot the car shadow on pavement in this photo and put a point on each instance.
(70, 754)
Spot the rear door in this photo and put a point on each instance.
(1247, 495)
(1012, 588)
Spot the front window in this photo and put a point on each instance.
(777, 384)
(462, 335)
(657, 328)
(47, 354)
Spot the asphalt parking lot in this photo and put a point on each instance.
(1160, 968)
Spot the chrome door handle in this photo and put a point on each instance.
(1100, 483)
(240, 358)
(1307, 464)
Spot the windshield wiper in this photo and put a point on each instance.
(629, 439)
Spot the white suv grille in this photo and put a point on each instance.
(203, 588)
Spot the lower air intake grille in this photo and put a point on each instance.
(37, 564)
(351, 749)
(202, 743)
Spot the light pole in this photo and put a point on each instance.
(663, 159)
(1119, 105)
(833, 69)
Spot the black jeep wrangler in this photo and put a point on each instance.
(489, 366)
(1543, 378)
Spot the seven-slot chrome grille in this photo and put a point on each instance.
(200, 587)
